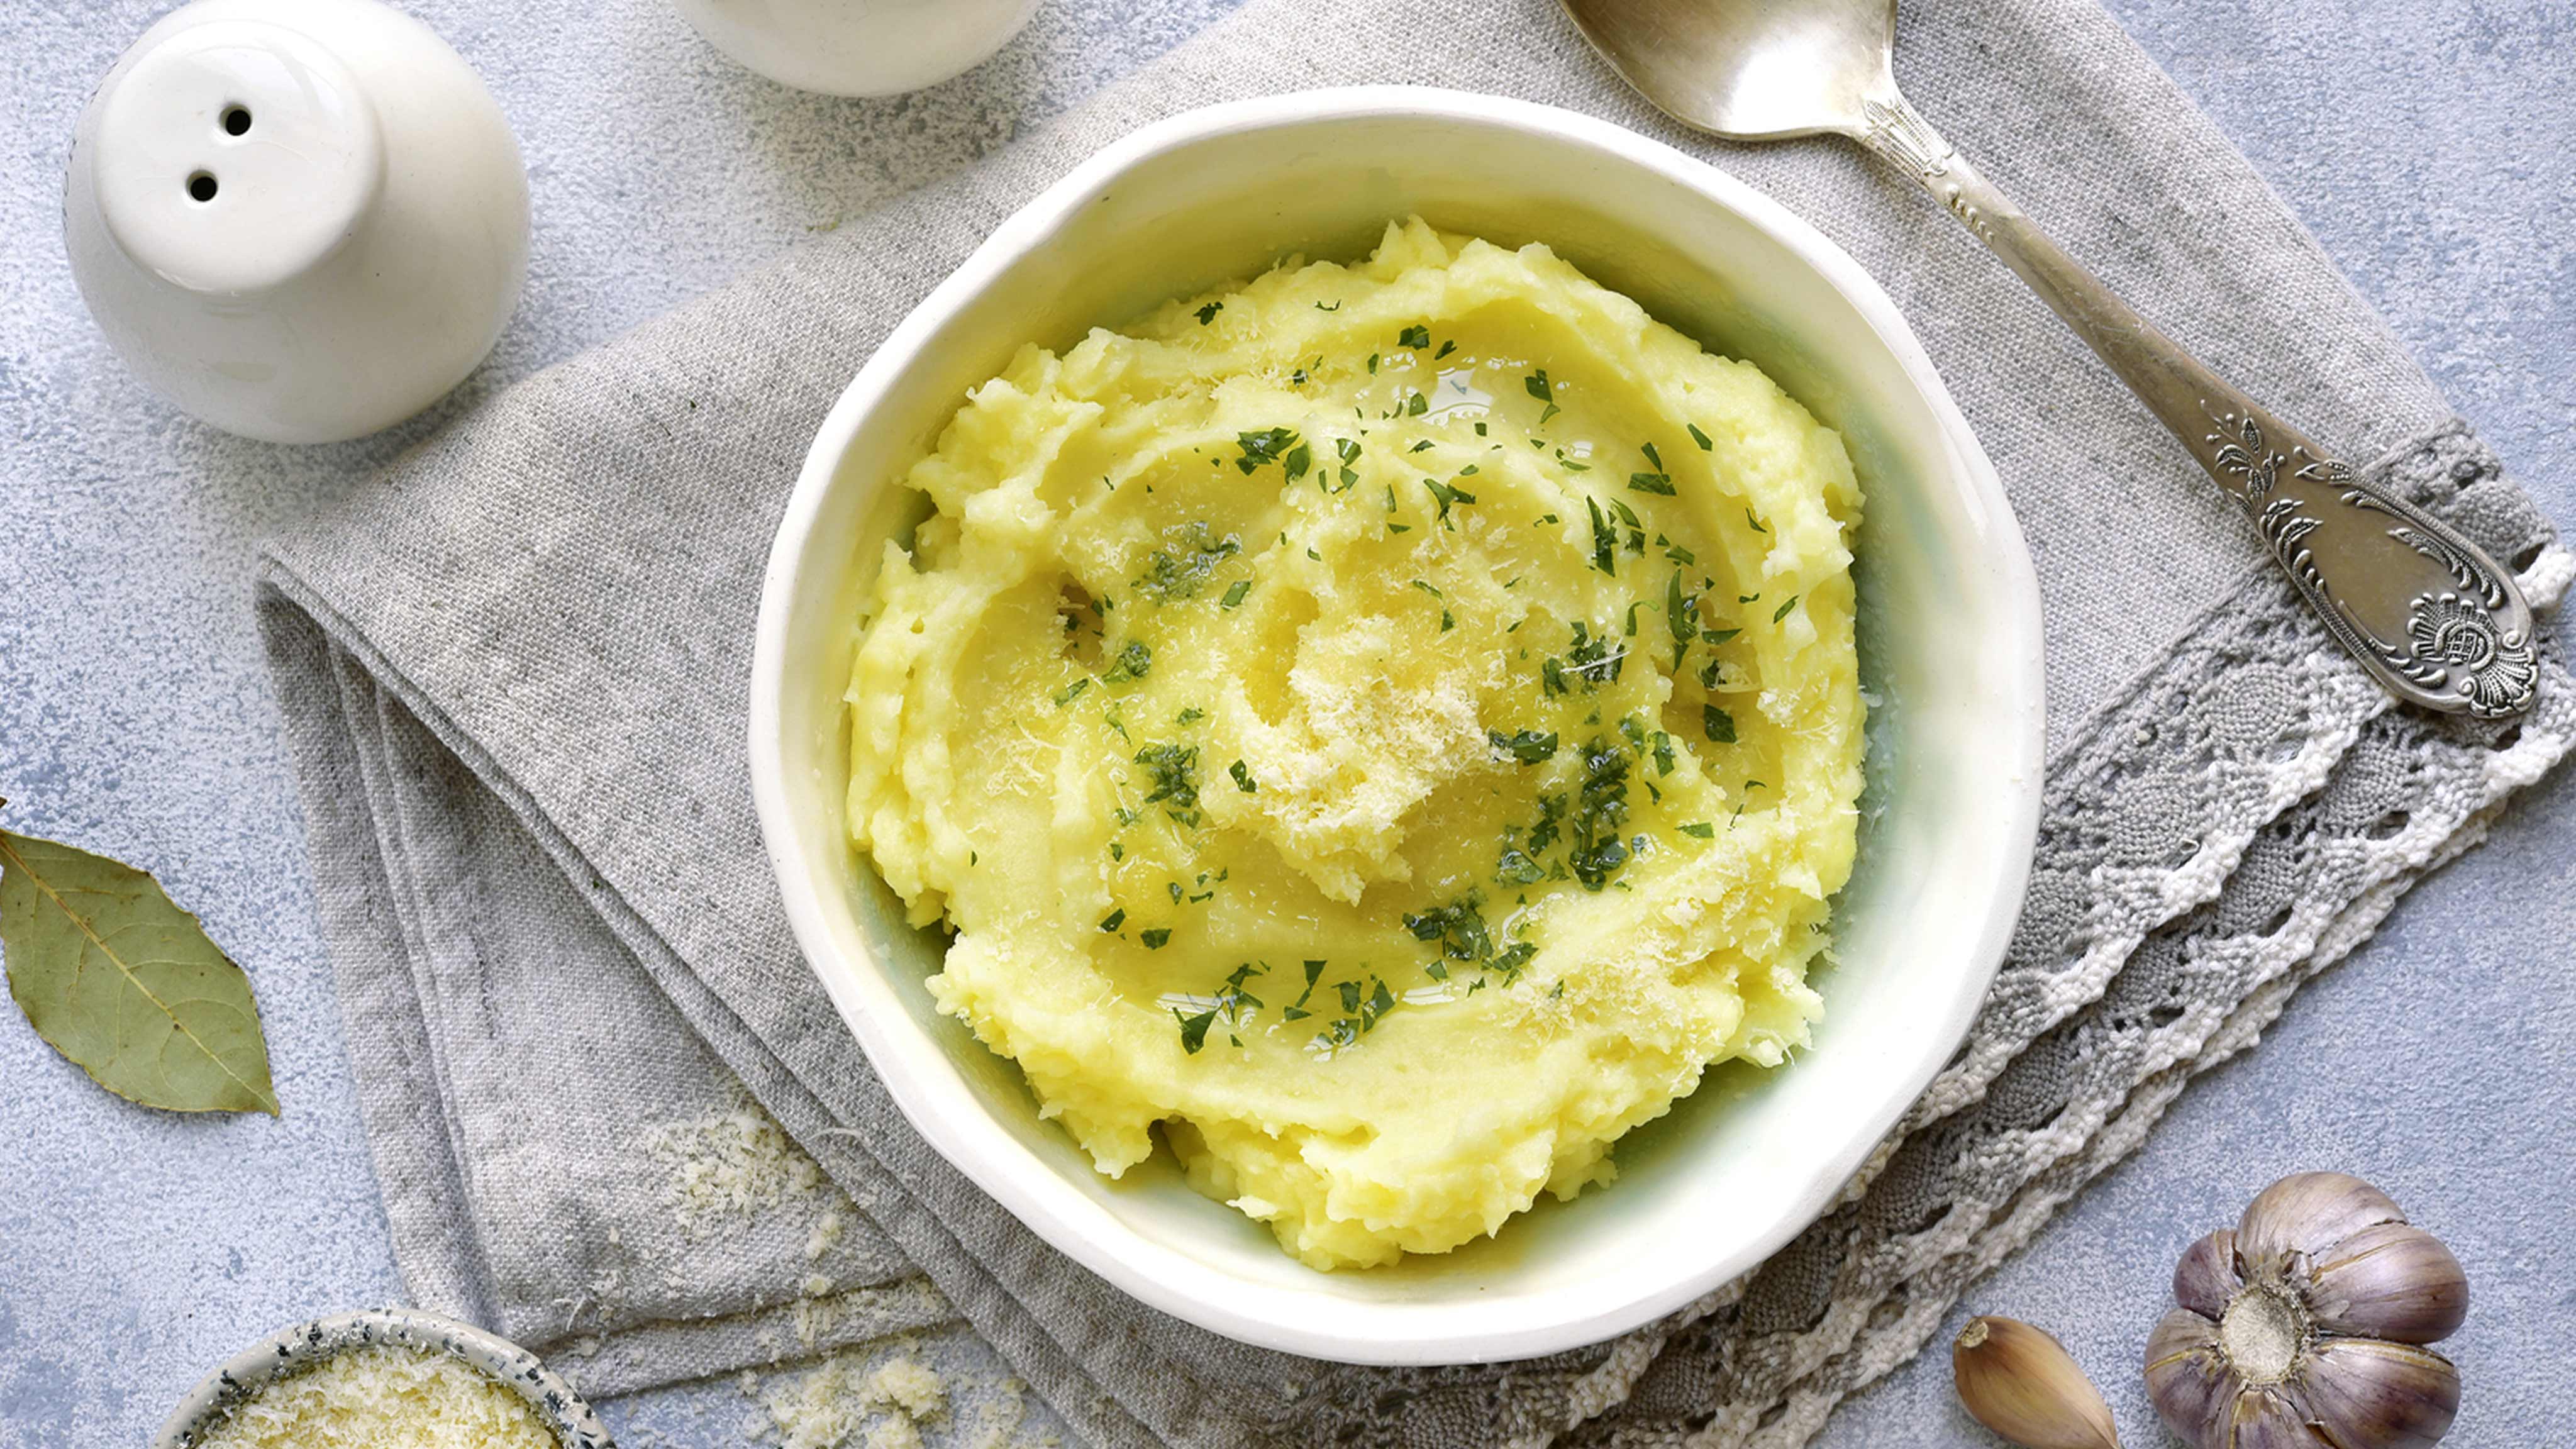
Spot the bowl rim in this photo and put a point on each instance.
(299, 1346)
(963, 1133)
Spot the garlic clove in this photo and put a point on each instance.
(2309, 1212)
(2206, 1277)
(2391, 1281)
(2383, 1395)
(2022, 1383)
(2265, 1418)
(2188, 1379)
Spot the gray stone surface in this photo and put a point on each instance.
(2427, 144)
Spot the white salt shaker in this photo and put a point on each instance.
(858, 47)
(300, 220)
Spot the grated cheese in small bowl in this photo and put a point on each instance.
(379, 1380)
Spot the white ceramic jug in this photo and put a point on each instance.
(300, 220)
(858, 47)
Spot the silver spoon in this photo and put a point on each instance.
(2421, 607)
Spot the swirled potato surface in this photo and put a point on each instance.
(1390, 727)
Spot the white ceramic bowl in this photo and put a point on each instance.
(875, 48)
(1950, 648)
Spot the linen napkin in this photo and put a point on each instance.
(613, 1114)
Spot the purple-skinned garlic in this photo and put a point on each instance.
(2307, 1326)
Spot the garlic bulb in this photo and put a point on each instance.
(2305, 1326)
(2024, 1385)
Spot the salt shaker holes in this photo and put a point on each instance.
(236, 120)
(201, 186)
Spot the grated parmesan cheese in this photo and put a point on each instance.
(826, 1235)
(729, 1163)
(838, 1404)
(381, 1396)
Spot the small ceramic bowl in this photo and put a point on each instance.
(299, 222)
(843, 49)
(290, 1350)
(1950, 651)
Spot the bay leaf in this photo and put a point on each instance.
(119, 979)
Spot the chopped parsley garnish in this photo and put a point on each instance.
(1701, 828)
(1445, 494)
(1413, 337)
(1194, 1029)
(1155, 938)
(1270, 445)
(1601, 809)
(1605, 541)
(1445, 349)
(1188, 558)
(1372, 364)
(1320, 307)
(1242, 774)
(1596, 660)
(1191, 715)
(1072, 692)
(1786, 605)
(1652, 456)
(1652, 483)
(1114, 920)
(1749, 518)
(1699, 437)
(1415, 405)
(1208, 313)
(1636, 530)
(1459, 927)
(1681, 617)
(1718, 723)
(1362, 1010)
(1297, 1010)
(1530, 747)
(1134, 661)
(1299, 459)
(1234, 593)
(1537, 385)
(1174, 769)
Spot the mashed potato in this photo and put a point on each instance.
(1391, 726)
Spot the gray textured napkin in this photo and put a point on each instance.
(513, 673)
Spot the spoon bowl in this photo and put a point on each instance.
(1750, 70)
(2418, 607)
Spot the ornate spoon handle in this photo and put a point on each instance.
(2421, 607)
